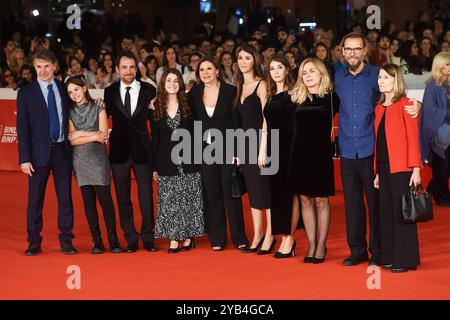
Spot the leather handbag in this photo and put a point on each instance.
(417, 205)
(238, 187)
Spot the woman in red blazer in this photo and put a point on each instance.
(397, 166)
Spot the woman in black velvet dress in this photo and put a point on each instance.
(279, 112)
(311, 165)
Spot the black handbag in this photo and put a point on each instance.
(238, 187)
(417, 205)
(335, 153)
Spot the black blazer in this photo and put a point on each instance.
(33, 125)
(129, 136)
(224, 117)
(162, 146)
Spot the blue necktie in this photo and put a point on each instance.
(53, 114)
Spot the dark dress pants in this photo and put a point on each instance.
(217, 185)
(357, 180)
(122, 182)
(399, 242)
(61, 167)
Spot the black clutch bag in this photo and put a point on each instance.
(238, 187)
(417, 205)
(335, 153)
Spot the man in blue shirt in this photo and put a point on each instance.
(357, 88)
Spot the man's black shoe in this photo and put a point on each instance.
(374, 261)
(67, 247)
(353, 261)
(132, 247)
(149, 246)
(33, 249)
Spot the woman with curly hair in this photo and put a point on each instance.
(180, 212)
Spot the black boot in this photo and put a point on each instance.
(114, 243)
(98, 246)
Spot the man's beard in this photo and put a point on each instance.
(354, 67)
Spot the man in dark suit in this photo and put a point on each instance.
(130, 148)
(42, 127)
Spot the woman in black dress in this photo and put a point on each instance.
(212, 101)
(250, 100)
(311, 165)
(279, 112)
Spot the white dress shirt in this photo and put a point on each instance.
(134, 93)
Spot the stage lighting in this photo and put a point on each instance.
(35, 12)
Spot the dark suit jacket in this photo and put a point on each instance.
(224, 117)
(33, 127)
(129, 136)
(163, 145)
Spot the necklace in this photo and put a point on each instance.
(85, 111)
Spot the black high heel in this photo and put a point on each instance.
(320, 260)
(253, 250)
(272, 246)
(190, 246)
(307, 259)
(291, 253)
(173, 250)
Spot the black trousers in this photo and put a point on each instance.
(357, 180)
(217, 185)
(122, 183)
(441, 172)
(399, 242)
(103, 193)
(61, 167)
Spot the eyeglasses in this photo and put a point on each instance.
(354, 50)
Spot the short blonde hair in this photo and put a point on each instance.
(300, 92)
(399, 82)
(439, 61)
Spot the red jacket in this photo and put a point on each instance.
(402, 136)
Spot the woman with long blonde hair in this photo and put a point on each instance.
(435, 127)
(311, 165)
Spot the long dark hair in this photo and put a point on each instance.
(165, 62)
(211, 60)
(162, 96)
(257, 69)
(80, 83)
(221, 66)
(289, 80)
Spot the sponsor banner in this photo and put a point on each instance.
(9, 158)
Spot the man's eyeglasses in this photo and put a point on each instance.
(354, 50)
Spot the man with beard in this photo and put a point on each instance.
(357, 88)
(130, 149)
(380, 55)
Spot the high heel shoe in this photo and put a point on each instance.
(253, 250)
(173, 250)
(320, 260)
(272, 246)
(308, 259)
(190, 246)
(291, 253)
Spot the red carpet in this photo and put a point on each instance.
(201, 273)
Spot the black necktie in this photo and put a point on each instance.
(128, 101)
